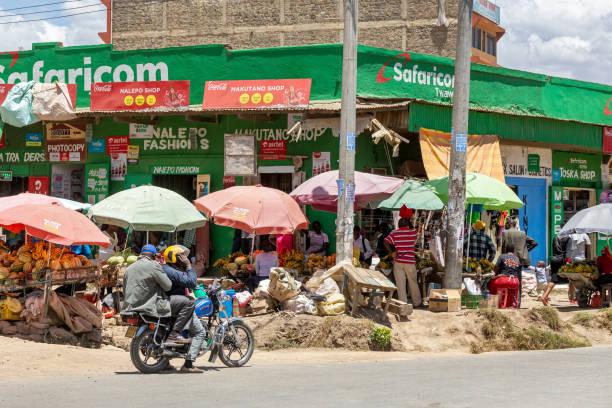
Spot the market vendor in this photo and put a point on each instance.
(481, 245)
(604, 264)
(264, 262)
(363, 245)
(402, 241)
(507, 271)
(317, 241)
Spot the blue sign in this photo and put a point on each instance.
(488, 9)
(34, 139)
(461, 141)
(556, 176)
(350, 193)
(97, 146)
(340, 183)
(350, 141)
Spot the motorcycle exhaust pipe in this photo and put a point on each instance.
(213, 354)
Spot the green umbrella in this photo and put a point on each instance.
(412, 194)
(481, 189)
(148, 208)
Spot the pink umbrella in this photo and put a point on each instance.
(26, 198)
(321, 191)
(254, 209)
(53, 223)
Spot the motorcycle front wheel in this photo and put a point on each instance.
(237, 349)
(147, 356)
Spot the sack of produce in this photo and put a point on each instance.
(333, 306)
(282, 285)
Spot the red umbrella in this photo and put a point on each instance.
(53, 223)
(26, 198)
(321, 191)
(254, 209)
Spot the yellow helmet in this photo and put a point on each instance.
(172, 252)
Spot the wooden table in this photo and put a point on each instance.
(357, 279)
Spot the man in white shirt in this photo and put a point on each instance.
(362, 243)
(264, 262)
(577, 247)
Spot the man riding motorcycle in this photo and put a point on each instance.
(178, 269)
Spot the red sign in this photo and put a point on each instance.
(273, 149)
(257, 94)
(5, 88)
(38, 185)
(66, 151)
(229, 181)
(607, 139)
(135, 96)
(117, 144)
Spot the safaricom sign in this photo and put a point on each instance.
(87, 74)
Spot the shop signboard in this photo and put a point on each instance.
(523, 161)
(133, 154)
(239, 155)
(321, 162)
(66, 131)
(175, 170)
(140, 131)
(18, 157)
(273, 149)
(202, 185)
(257, 94)
(66, 151)
(117, 144)
(488, 9)
(577, 169)
(118, 165)
(556, 210)
(97, 146)
(607, 140)
(34, 139)
(139, 96)
(96, 182)
(38, 185)
(6, 175)
(229, 181)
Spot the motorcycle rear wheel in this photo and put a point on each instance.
(143, 348)
(243, 346)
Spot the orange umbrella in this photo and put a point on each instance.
(254, 209)
(26, 198)
(53, 223)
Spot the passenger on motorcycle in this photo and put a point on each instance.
(178, 269)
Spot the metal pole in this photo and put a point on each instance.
(346, 174)
(456, 185)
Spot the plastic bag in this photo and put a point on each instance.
(52, 102)
(471, 286)
(328, 287)
(262, 289)
(17, 107)
(282, 285)
(299, 304)
(243, 298)
(335, 305)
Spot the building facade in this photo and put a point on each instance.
(551, 145)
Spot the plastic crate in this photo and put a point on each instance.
(470, 301)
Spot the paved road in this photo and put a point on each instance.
(570, 378)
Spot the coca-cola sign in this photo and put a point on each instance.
(139, 96)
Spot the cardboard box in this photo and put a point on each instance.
(445, 300)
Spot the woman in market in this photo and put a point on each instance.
(507, 271)
(383, 232)
(264, 262)
(604, 265)
(317, 241)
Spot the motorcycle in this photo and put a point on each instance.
(228, 338)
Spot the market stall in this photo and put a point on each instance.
(45, 261)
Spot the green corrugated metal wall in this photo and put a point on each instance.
(519, 128)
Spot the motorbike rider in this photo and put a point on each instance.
(178, 269)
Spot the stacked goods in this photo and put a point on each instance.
(316, 262)
(30, 260)
(586, 269)
(330, 261)
(292, 259)
(385, 264)
(235, 264)
(423, 263)
(478, 266)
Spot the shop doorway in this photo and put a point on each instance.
(182, 185)
(574, 200)
(67, 181)
(279, 181)
(532, 216)
(15, 186)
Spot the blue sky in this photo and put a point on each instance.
(568, 38)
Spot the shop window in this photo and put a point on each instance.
(574, 201)
(476, 38)
(16, 186)
(490, 45)
(484, 41)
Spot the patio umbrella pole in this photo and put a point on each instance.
(468, 240)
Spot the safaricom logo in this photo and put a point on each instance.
(414, 74)
(87, 74)
(607, 110)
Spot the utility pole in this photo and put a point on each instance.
(348, 141)
(458, 149)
